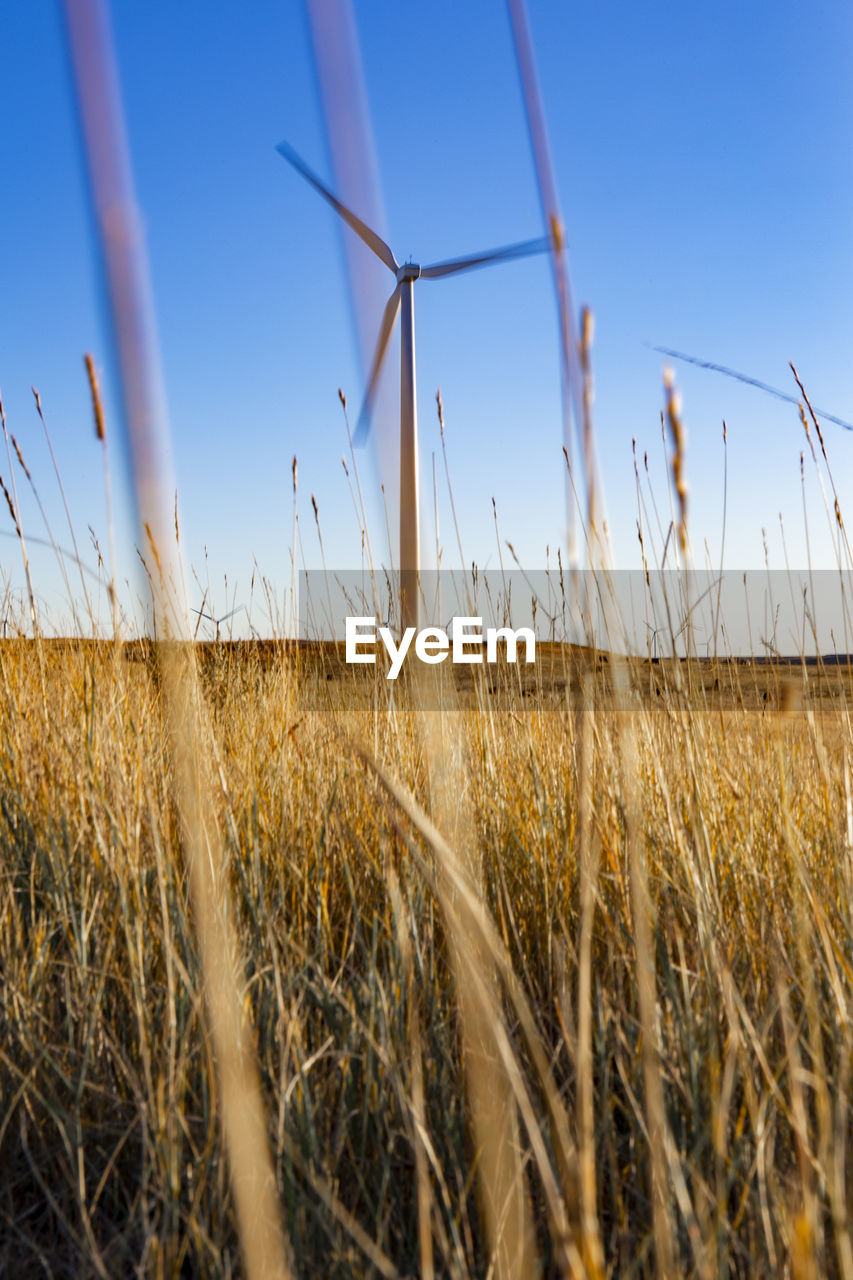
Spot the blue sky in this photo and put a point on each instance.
(702, 156)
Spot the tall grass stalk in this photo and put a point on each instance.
(101, 436)
(252, 1178)
(58, 475)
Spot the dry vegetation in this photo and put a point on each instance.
(364, 958)
(526, 971)
(543, 979)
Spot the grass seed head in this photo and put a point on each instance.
(24, 466)
(679, 446)
(97, 406)
(10, 505)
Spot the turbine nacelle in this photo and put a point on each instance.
(408, 271)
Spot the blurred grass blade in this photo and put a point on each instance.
(346, 116)
(571, 379)
(479, 957)
(252, 1178)
(750, 382)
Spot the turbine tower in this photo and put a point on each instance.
(402, 301)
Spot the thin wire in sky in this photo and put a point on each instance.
(750, 382)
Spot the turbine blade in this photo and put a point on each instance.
(226, 616)
(506, 254)
(389, 317)
(370, 238)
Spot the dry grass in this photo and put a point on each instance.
(110, 1137)
(556, 981)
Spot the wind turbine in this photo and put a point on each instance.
(217, 622)
(402, 302)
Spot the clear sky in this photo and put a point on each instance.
(702, 154)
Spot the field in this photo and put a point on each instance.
(535, 971)
(494, 972)
(549, 980)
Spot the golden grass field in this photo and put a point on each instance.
(604, 1028)
(303, 974)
